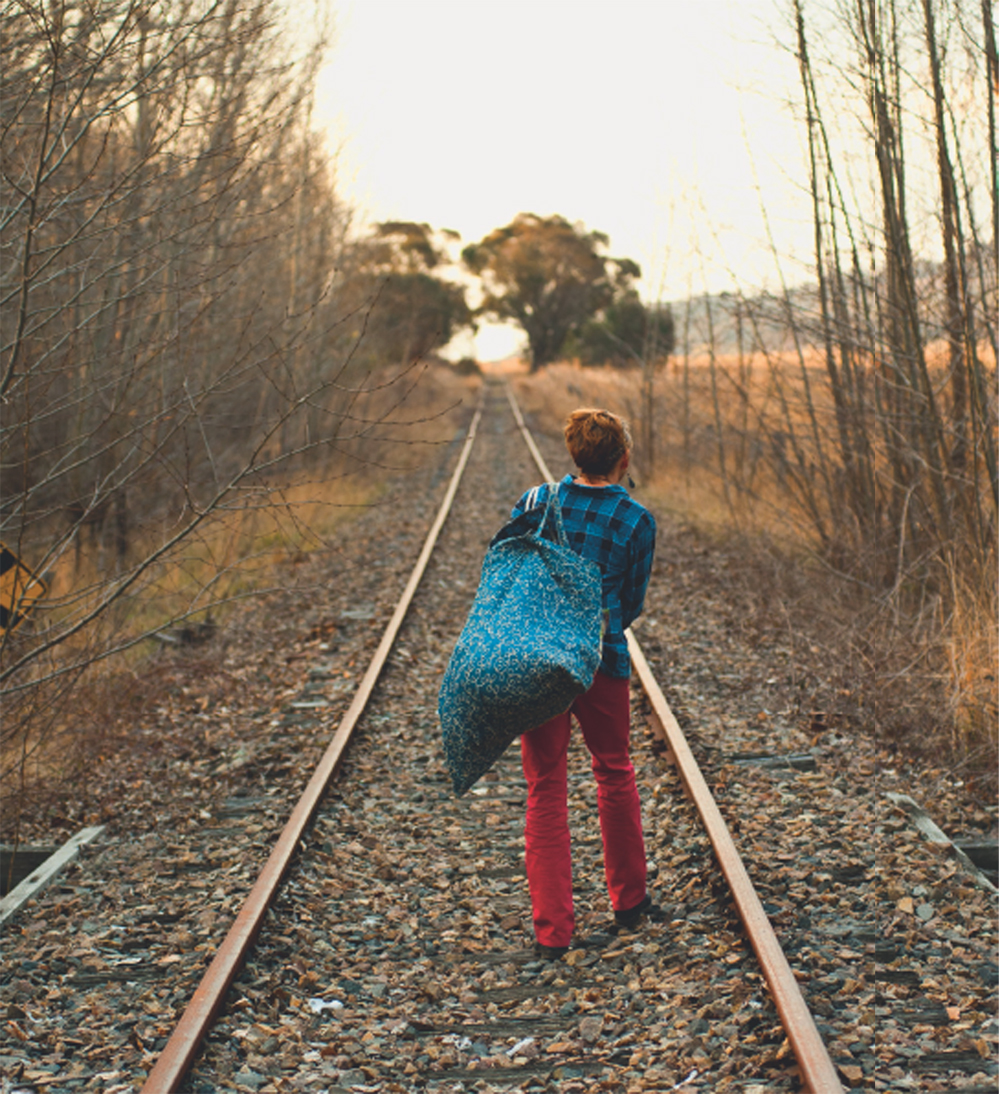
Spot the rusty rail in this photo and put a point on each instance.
(179, 1052)
(815, 1066)
(816, 1069)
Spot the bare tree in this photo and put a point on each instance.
(176, 340)
(870, 414)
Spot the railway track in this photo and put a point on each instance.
(396, 954)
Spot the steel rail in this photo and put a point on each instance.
(180, 1050)
(525, 432)
(816, 1069)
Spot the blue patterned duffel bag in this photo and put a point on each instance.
(531, 644)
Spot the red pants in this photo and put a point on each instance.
(603, 714)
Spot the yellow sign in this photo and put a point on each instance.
(20, 589)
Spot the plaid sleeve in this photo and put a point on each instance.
(641, 546)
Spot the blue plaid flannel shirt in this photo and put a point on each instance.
(604, 524)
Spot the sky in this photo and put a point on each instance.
(666, 125)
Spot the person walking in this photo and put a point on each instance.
(603, 524)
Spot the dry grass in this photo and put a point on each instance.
(53, 730)
(972, 657)
(928, 674)
(233, 552)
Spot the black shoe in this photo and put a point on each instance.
(629, 917)
(550, 953)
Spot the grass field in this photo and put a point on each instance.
(924, 653)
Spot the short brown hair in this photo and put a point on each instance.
(596, 439)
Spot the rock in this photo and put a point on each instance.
(248, 1078)
(567, 1072)
(590, 1028)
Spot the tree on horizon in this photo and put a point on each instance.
(549, 276)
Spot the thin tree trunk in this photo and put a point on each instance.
(719, 435)
(992, 89)
(954, 289)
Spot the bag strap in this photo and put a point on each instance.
(554, 507)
